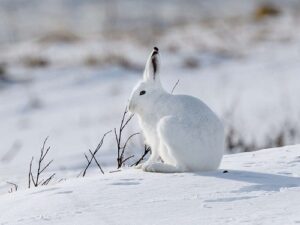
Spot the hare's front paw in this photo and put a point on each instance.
(159, 167)
(150, 167)
(145, 166)
(139, 166)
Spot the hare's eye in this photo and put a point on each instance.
(142, 92)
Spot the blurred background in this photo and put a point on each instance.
(67, 68)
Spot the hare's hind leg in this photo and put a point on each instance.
(167, 167)
(167, 137)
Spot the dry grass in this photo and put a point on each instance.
(266, 10)
(236, 142)
(35, 61)
(112, 59)
(191, 63)
(60, 36)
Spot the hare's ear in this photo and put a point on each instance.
(152, 66)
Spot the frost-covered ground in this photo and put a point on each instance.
(260, 188)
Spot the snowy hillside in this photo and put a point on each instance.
(260, 188)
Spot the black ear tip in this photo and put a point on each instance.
(155, 51)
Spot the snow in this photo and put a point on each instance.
(260, 188)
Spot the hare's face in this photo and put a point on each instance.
(141, 94)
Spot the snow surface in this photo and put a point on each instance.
(260, 188)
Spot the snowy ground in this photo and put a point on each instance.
(260, 188)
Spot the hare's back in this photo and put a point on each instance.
(194, 109)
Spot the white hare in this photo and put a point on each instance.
(183, 133)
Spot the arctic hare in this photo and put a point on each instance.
(183, 132)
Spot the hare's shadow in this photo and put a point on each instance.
(257, 181)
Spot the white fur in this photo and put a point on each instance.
(181, 130)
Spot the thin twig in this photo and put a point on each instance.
(147, 149)
(93, 156)
(127, 121)
(41, 169)
(45, 167)
(45, 153)
(118, 145)
(114, 171)
(121, 149)
(48, 180)
(62, 179)
(129, 157)
(30, 173)
(174, 86)
(14, 185)
(87, 166)
(124, 146)
(96, 161)
(32, 179)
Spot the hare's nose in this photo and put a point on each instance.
(131, 107)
